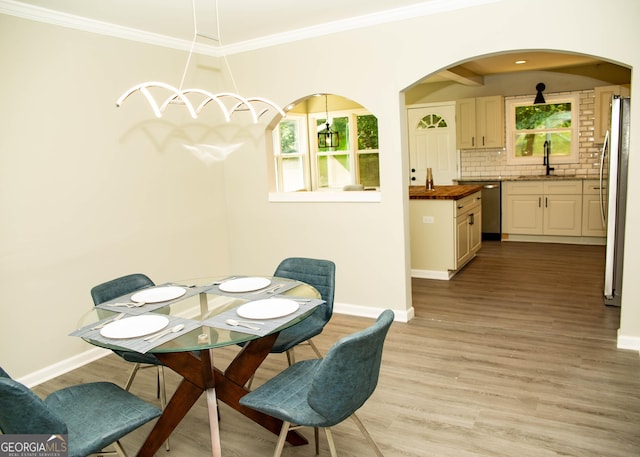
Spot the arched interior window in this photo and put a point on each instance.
(304, 162)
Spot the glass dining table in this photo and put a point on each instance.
(205, 315)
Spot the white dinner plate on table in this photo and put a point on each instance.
(134, 326)
(244, 284)
(269, 308)
(158, 294)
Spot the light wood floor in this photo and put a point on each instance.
(515, 357)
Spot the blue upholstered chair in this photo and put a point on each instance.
(93, 415)
(116, 288)
(324, 392)
(321, 274)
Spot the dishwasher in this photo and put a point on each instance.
(491, 207)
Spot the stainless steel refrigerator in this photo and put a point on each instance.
(615, 158)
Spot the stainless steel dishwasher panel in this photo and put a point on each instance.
(491, 208)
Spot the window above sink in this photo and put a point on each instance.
(529, 126)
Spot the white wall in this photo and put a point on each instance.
(373, 66)
(70, 151)
(89, 191)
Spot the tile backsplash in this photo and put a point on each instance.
(493, 162)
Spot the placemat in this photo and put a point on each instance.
(117, 304)
(277, 286)
(137, 344)
(265, 326)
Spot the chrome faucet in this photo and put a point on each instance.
(547, 153)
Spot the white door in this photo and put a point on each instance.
(432, 143)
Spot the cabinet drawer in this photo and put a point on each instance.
(524, 187)
(467, 203)
(563, 187)
(592, 187)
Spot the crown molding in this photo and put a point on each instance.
(45, 15)
(48, 16)
(426, 8)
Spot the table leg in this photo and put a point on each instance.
(212, 406)
(199, 375)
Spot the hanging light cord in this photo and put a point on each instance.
(179, 95)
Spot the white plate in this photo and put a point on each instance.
(244, 284)
(158, 294)
(132, 327)
(269, 308)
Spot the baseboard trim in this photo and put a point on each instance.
(433, 274)
(628, 342)
(62, 367)
(371, 312)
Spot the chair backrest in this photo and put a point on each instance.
(23, 412)
(348, 375)
(119, 286)
(4, 374)
(321, 274)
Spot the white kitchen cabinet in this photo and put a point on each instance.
(602, 109)
(445, 235)
(592, 223)
(543, 208)
(468, 229)
(480, 122)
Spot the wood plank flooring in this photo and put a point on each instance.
(515, 357)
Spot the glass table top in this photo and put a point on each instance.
(197, 305)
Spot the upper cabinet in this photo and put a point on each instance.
(480, 122)
(602, 118)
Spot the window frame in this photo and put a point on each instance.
(311, 192)
(510, 107)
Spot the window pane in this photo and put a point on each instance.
(289, 136)
(551, 116)
(292, 174)
(333, 171)
(367, 127)
(369, 168)
(532, 144)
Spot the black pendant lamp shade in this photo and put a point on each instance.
(327, 138)
(539, 97)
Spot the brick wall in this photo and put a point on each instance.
(493, 162)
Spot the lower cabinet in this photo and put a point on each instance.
(554, 207)
(592, 220)
(468, 233)
(445, 235)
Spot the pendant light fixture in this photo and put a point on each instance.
(539, 97)
(229, 103)
(327, 138)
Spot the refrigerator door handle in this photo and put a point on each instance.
(603, 214)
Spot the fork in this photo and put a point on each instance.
(99, 326)
(130, 304)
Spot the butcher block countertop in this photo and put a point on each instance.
(442, 192)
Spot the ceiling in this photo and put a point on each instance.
(244, 23)
(240, 20)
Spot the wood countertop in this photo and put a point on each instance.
(442, 192)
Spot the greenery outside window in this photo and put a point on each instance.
(291, 153)
(529, 126)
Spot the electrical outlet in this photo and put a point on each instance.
(427, 220)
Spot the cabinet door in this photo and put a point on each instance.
(563, 215)
(466, 123)
(602, 108)
(522, 214)
(591, 216)
(463, 241)
(490, 122)
(475, 231)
